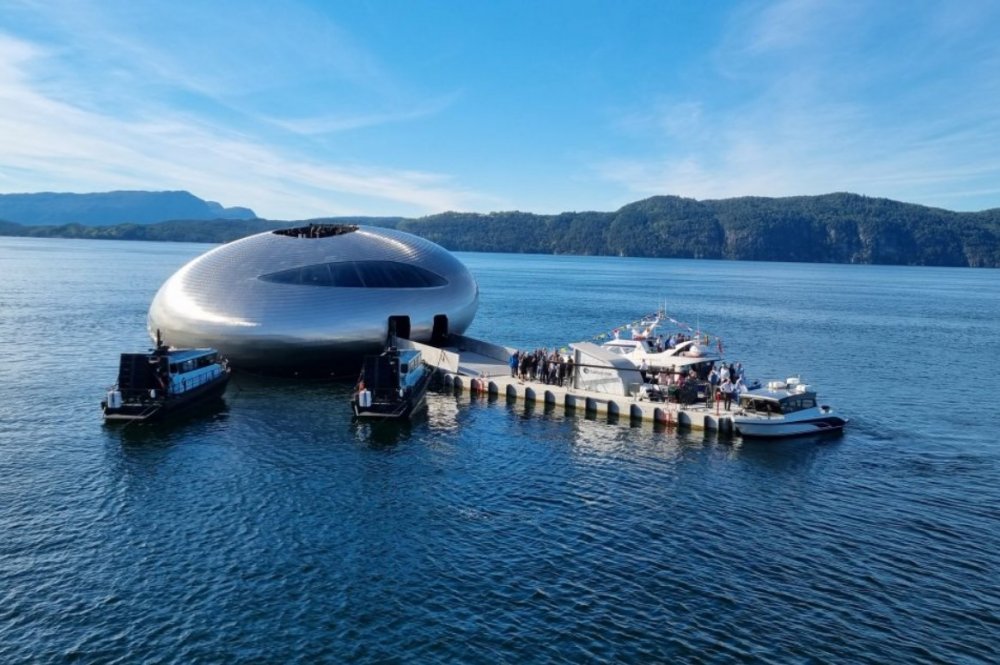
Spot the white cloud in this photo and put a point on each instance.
(334, 123)
(50, 144)
(820, 106)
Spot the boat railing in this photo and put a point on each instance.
(193, 380)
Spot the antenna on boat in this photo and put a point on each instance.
(160, 347)
(392, 335)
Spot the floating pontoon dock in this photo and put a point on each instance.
(468, 364)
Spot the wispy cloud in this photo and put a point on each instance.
(331, 123)
(49, 142)
(306, 109)
(819, 107)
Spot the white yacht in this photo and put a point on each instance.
(784, 408)
(645, 344)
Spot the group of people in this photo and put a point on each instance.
(662, 377)
(672, 342)
(659, 344)
(540, 365)
(727, 382)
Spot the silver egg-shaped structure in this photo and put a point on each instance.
(314, 299)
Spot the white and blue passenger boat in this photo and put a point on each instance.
(392, 384)
(782, 409)
(164, 380)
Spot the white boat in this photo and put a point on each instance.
(782, 409)
(626, 366)
(646, 345)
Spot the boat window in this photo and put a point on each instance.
(359, 274)
(204, 361)
(761, 405)
(791, 405)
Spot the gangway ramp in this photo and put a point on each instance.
(464, 356)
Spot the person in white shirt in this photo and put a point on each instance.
(727, 391)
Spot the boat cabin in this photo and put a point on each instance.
(170, 372)
(396, 370)
(768, 402)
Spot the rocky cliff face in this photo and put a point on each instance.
(109, 208)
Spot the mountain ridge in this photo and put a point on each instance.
(829, 228)
(117, 207)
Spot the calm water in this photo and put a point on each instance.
(275, 530)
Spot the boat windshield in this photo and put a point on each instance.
(621, 346)
(769, 405)
(759, 404)
(798, 403)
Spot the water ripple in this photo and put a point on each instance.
(273, 529)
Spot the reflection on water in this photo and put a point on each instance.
(442, 412)
(275, 529)
(786, 454)
(176, 426)
(388, 432)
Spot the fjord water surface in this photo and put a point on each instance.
(273, 529)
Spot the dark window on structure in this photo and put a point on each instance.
(317, 231)
(344, 274)
(317, 275)
(360, 274)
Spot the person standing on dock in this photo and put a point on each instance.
(514, 357)
(713, 384)
(727, 392)
(553, 369)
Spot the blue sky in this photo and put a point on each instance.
(307, 109)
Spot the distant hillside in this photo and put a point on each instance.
(107, 208)
(832, 228)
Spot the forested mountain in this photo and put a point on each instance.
(832, 228)
(112, 208)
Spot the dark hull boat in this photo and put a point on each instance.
(392, 385)
(164, 381)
